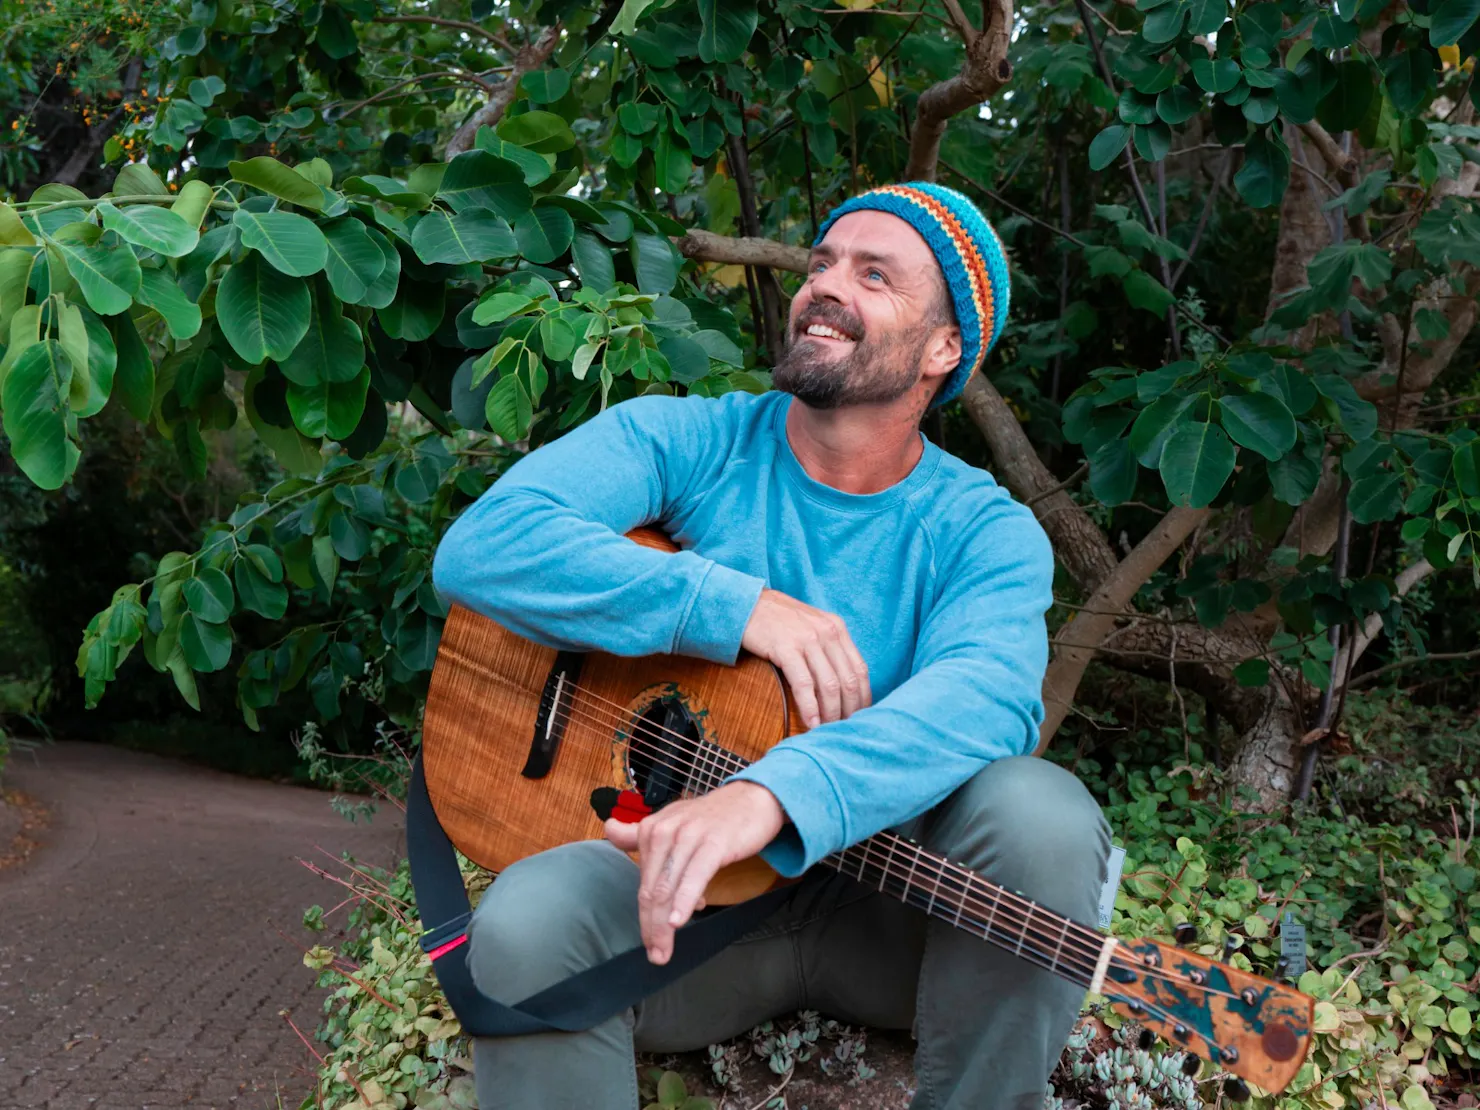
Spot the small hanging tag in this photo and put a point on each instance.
(1292, 946)
(1113, 867)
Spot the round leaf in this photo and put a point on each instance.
(107, 274)
(1113, 471)
(655, 261)
(207, 646)
(1196, 461)
(1345, 106)
(262, 313)
(292, 243)
(208, 595)
(33, 398)
(1105, 147)
(158, 290)
(1262, 179)
(354, 262)
(477, 179)
(331, 350)
(156, 229)
(546, 85)
(271, 176)
(726, 29)
(544, 233)
(1260, 422)
(1376, 497)
(329, 408)
(476, 235)
(1177, 104)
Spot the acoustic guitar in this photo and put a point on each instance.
(562, 739)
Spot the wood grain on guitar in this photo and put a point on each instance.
(520, 742)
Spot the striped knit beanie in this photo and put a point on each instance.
(970, 256)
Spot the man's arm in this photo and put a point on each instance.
(543, 553)
(975, 696)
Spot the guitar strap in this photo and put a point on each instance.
(585, 999)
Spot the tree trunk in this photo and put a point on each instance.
(1268, 752)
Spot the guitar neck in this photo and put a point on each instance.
(929, 882)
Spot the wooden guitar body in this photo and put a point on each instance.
(484, 709)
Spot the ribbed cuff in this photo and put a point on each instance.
(818, 824)
(715, 623)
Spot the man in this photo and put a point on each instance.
(900, 592)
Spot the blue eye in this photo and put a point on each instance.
(818, 267)
(875, 274)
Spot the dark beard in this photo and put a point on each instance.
(874, 372)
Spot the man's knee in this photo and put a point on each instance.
(552, 915)
(1032, 826)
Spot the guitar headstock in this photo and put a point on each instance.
(1253, 1027)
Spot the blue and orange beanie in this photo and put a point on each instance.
(970, 256)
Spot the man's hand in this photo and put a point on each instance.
(826, 673)
(684, 844)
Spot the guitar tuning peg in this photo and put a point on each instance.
(1145, 1040)
(1185, 933)
(1191, 1065)
(1236, 1090)
(1230, 946)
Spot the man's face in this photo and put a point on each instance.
(867, 322)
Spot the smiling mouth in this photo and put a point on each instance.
(825, 331)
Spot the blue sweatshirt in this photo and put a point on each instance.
(942, 580)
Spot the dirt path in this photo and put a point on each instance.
(150, 941)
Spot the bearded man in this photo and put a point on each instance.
(902, 595)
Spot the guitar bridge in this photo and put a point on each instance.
(554, 714)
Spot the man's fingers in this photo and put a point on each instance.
(803, 690)
(621, 833)
(690, 893)
(829, 683)
(860, 668)
(850, 687)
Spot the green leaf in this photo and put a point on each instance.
(476, 235)
(354, 262)
(108, 275)
(1196, 461)
(686, 359)
(199, 372)
(508, 408)
(296, 453)
(544, 132)
(1218, 75)
(265, 598)
(1178, 104)
(1155, 424)
(138, 179)
(327, 408)
(1105, 147)
(150, 227)
(558, 337)
(1260, 422)
(292, 243)
(207, 647)
(1294, 478)
(382, 291)
(655, 261)
(1252, 672)
(1451, 19)
(536, 167)
(1206, 16)
(1358, 417)
(544, 86)
(1409, 77)
(208, 595)
(158, 290)
(135, 378)
(493, 307)
(1376, 497)
(1113, 471)
(544, 234)
(262, 313)
(1345, 106)
(33, 398)
(627, 15)
(1144, 291)
(594, 262)
(416, 312)
(331, 350)
(477, 179)
(271, 176)
(726, 29)
(1262, 179)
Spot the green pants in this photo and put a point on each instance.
(989, 1027)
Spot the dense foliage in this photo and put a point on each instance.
(284, 285)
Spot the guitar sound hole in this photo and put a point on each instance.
(663, 755)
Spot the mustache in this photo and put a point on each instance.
(831, 315)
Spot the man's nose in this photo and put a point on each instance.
(827, 285)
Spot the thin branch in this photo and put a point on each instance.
(963, 25)
(462, 25)
(985, 71)
(1433, 656)
(458, 74)
(529, 58)
(1000, 199)
(1202, 221)
(706, 246)
(1065, 484)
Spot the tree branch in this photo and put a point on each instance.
(706, 246)
(462, 25)
(1078, 640)
(1078, 542)
(985, 71)
(529, 58)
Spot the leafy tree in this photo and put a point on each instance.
(403, 246)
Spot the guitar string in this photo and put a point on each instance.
(960, 879)
(1087, 942)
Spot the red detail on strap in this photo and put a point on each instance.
(630, 808)
(442, 949)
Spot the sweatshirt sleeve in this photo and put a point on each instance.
(974, 696)
(543, 552)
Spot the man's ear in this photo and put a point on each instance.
(942, 353)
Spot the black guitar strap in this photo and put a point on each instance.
(579, 1002)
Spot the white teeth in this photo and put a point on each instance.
(826, 332)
